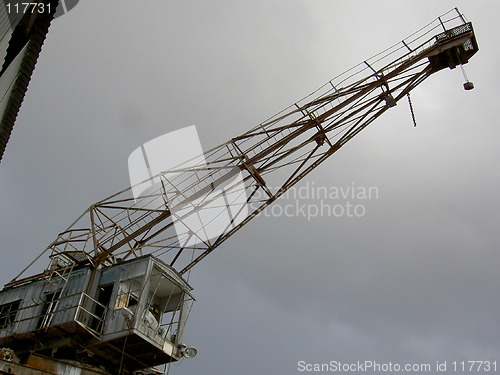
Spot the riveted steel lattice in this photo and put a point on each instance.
(271, 157)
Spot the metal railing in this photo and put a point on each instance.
(78, 307)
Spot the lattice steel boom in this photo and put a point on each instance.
(252, 170)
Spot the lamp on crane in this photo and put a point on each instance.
(188, 351)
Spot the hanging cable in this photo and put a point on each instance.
(123, 355)
(468, 85)
(463, 72)
(411, 110)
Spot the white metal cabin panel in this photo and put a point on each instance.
(33, 296)
(9, 77)
(7, 24)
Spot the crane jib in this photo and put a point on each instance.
(295, 142)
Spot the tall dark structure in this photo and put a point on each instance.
(22, 33)
(115, 297)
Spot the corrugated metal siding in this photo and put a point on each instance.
(41, 320)
(32, 296)
(8, 117)
(41, 365)
(8, 79)
(8, 21)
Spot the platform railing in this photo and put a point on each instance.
(78, 307)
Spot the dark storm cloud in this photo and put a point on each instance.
(415, 279)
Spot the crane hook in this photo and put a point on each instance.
(468, 85)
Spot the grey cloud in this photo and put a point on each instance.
(415, 279)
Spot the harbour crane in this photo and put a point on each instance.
(115, 296)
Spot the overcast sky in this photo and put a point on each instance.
(415, 280)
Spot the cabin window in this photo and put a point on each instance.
(128, 293)
(49, 308)
(163, 306)
(103, 299)
(169, 319)
(8, 313)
